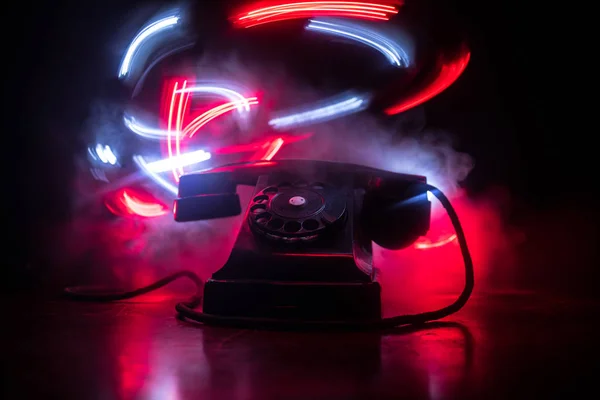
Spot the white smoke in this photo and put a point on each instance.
(405, 146)
(361, 139)
(162, 245)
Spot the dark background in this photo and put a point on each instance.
(505, 110)
(518, 110)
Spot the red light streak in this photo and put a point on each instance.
(447, 75)
(425, 243)
(308, 9)
(141, 208)
(186, 105)
(131, 203)
(213, 113)
(273, 149)
(178, 130)
(175, 121)
(182, 100)
(170, 126)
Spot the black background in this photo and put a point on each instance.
(505, 109)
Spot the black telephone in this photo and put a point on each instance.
(304, 252)
(303, 256)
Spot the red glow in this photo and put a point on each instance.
(307, 9)
(447, 75)
(414, 279)
(132, 203)
(239, 148)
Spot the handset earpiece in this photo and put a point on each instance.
(212, 194)
(395, 212)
